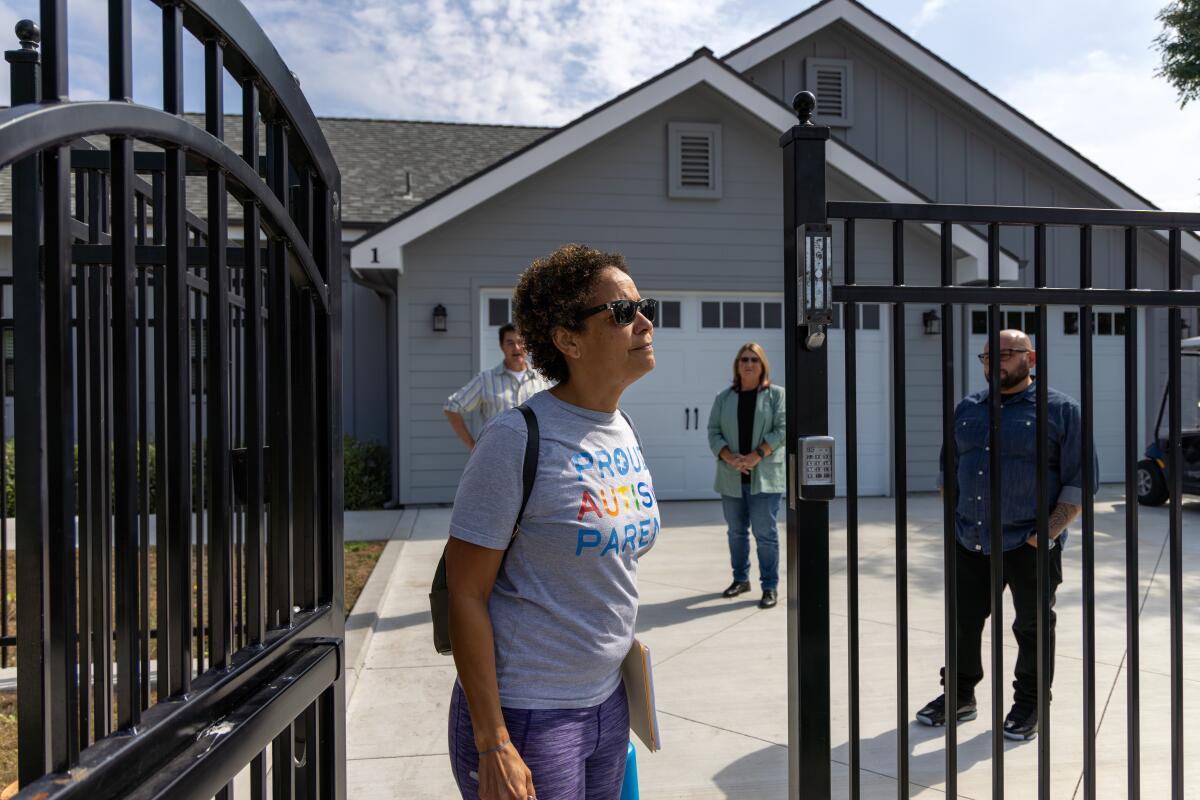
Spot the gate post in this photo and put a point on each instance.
(807, 520)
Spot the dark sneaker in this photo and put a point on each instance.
(769, 599)
(736, 588)
(1021, 724)
(934, 714)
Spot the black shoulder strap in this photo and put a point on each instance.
(529, 469)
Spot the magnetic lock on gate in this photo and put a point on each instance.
(815, 470)
(814, 300)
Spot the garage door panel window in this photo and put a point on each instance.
(731, 315)
(1105, 323)
(750, 314)
(671, 314)
(498, 313)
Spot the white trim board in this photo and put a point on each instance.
(1006, 118)
(389, 241)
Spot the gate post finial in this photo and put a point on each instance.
(29, 34)
(804, 103)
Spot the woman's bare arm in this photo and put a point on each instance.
(470, 574)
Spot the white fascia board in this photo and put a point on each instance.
(1004, 117)
(971, 265)
(389, 240)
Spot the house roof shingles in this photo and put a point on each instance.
(388, 166)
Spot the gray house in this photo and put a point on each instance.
(683, 175)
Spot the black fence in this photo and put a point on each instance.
(176, 379)
(808, 229)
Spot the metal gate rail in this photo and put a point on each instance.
(166, 374)
(808, 217)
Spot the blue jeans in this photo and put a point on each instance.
(757, 511)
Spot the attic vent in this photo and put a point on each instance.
(694, 154)
(830, 79)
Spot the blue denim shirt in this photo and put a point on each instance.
(1018, 463)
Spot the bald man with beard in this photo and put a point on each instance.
(1018, 514)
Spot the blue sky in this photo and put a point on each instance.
(1083, 70)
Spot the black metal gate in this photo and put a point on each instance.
(177, 422)
(810, 296)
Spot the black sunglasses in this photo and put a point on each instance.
(625, 311)
(748, 359)
(1005, 354)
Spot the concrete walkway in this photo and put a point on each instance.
(720, 667)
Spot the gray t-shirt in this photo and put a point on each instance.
(565, 601)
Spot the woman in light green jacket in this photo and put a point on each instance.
(745, 433)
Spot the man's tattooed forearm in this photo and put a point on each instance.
(1061, 517)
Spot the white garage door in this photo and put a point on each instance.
(1108, 374)
(695, 342)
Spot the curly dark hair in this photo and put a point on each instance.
(551, 294)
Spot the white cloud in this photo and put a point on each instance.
(930, 10)
(519, 61)
(1114, 111)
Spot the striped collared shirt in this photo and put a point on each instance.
(495, 390)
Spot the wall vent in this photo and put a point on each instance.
(831, 80)
(694, 154)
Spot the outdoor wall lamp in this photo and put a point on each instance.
(933, 323)
(814, 249)
(439, 318)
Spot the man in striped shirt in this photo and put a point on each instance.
(505, 386)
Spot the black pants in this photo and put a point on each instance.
(975, 606)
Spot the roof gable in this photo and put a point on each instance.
(385, 243)
(383, 247)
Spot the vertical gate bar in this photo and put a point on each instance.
(307, 754)
(102, 544)
(30, 437)
(850, 329)
(125, 397)
(1175, 536)
(255, 543)
(900, 470)
(220, 512)
(258, 777)
(995, 520)
(283, 763)
(329, 244)
(1086, 331)
(162, 459)
(200, 467)
(807, 520)
(86, 437)
(1044, 655)
(143, 394)
(325, 321)
(1132, 593)
(123, 287)
(304, 471)
(61, 702)
(279, 571)
(178, 634)
(949, 514)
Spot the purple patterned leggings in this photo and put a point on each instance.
(573, 753)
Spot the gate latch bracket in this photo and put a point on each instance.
(814, 297)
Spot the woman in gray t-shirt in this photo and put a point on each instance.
(539, 636)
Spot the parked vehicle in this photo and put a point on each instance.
(1152, 484)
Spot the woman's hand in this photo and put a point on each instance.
(504, 776)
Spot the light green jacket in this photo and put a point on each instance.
(769, 415)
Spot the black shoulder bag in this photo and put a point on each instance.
(439, 593)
